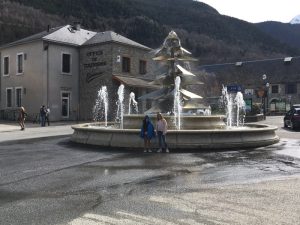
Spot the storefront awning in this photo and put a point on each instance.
(194, 105)
(135, 82)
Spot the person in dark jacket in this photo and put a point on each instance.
(47, 116)
(147, 133)
(43, 113)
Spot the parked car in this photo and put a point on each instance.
(292, 118)
(296, 106)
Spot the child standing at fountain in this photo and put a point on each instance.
(147, 133)
(162, 128)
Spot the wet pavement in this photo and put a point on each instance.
(53, 181)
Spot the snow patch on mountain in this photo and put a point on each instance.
(295, 20)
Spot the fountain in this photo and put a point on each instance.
(120, 112)
(101, 105)
(132, 104)
(177, 104)
(227, 102)
(240, 107)
(188, 131)
(234, 105)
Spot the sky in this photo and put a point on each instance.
(255, 11)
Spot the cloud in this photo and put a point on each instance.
(257, 10)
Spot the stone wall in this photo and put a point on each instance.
(98, 63)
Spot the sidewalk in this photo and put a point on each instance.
(10, 131)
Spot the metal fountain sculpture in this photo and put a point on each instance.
(185, 131)
(173, 95)
(172, 53)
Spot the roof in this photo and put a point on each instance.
(110, 36)
(64, 34)
(69, 35)
(31, 38)
(135, 82)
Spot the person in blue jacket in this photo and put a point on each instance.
(147, 133)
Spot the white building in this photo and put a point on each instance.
(63, 68)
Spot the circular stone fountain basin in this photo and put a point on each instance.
(249, 136)
(188, 122)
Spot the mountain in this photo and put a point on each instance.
(286, 33)
(295, 20)
(211, 37)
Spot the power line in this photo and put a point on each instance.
(249, 61)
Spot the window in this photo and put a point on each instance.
(291, 88)
(8, 97)
(126, 64)
(5, 66)
(18, 97)
(20, 59)
(143, 66)
(65, 104)
(275, 89)
(66, 63)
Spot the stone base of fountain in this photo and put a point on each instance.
(249, 136)
(188, 122)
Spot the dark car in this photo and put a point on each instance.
(292, 118)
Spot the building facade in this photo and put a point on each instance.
(63, 68)
(110, 64)
(274, 84)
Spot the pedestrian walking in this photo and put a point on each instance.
(161, 129)
(47, 116)
(147, 133)
(21, 118)
(43, 115)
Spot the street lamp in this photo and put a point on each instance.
(266, 86)
(267, 95)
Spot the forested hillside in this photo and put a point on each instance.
(284, 32)
(210, 36)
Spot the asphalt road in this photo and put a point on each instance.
(49, 180)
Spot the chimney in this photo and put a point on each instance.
(48, 28)
(77, 26)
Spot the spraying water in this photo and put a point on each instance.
(228, 102)
(132, 102)
(120, 104)
(101, 106)
(177, 109)
(240, 106)
(234, 106)
(207, 112)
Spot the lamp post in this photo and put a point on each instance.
(266, 86)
